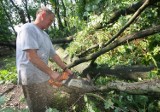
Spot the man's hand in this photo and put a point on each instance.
(54, 75)
(68, 71)
(54, 80)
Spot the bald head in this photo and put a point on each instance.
(48, 11)
(44, 18)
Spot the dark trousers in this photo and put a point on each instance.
(38, 96)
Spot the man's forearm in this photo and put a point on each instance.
(59, 62)
(33, 58)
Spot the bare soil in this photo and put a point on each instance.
(14, 97)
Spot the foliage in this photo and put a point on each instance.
(52, 110)
(8, 73)
(135, 52)
(82, 16)
(5, 32)
(117, 102)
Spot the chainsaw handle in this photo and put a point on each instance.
(58, 81)
(64, 76)
(54, 83)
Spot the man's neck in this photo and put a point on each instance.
(38, 24)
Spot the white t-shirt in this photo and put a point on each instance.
(32, 37)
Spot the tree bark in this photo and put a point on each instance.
(142, 87)
(133, 73)
(146, 87)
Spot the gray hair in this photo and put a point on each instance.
(48, 11)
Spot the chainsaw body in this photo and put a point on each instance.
(69, 81)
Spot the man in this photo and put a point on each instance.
(33, 51)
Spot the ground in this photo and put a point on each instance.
(13, 96)
(12, 93)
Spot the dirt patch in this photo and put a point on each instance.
(13, 95)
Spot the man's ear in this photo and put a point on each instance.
(43, 14)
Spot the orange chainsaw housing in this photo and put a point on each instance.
(58, 82)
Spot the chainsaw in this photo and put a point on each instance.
(69, 80)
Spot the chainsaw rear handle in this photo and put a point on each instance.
(54, 83)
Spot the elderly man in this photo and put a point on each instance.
(34, 48)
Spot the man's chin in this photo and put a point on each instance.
(46, 28)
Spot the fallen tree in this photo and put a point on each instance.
(142, 87)
(146, 87)
(73, 95)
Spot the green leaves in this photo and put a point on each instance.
(52, 110)
(8, 71)
(2, 100)
(108, 104)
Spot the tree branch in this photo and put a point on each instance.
(137, 35)
(62, 40)
(122, 72)
(129, 10)
(20, 11)
(140, 6)
(8, 44)
(8, 16)
(137, 13)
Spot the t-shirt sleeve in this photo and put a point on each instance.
(52, 51)
(28, 39)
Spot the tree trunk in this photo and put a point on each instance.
(45, 3)
(64, 13)
(133, 73)
(58, 15)
(146, 87)
(20, 11)
(9, 19)
(143, 87)
(26, 5)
